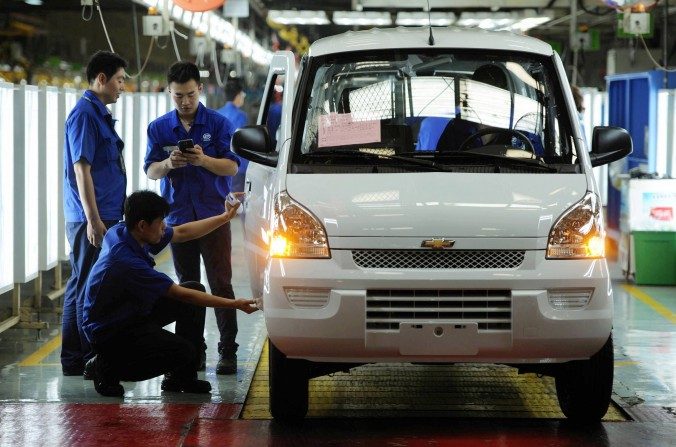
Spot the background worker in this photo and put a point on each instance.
(232, 110)
(94, 190)
(195, 183)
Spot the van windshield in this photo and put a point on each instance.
(454, 109)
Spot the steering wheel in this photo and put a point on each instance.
(497, 131)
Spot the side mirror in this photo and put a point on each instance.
(609, 144)
(254, 144)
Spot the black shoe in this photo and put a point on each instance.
(90, 369)
(185, 386)
(227, 364)
(108, 388)
(72, 371)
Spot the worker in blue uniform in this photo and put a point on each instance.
(195, 183)
(94, 189)
(232, 110)
(128, 302)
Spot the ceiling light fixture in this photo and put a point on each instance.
(363, 18)
(289, 17)
(418, 18)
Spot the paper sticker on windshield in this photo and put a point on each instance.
(338, 129)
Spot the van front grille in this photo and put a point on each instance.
(438, 259)
(490, 309)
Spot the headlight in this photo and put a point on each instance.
(579, 232)
(295, 232)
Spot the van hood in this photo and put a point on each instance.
(437, 204)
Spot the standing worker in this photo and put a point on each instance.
(94, 191)
(128, 302)
(195, 183)
(232, 110)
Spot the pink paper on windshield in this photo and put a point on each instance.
(338, 129)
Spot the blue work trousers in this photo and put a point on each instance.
(75, 349)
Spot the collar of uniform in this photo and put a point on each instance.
(133, 243)
(200, 117)
(91, 97)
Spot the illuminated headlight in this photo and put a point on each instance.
(579, 232)
(569, 299)
(295, 232)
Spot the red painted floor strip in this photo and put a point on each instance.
(193, 425)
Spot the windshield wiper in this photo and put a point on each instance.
(370, 155)
(510, 161)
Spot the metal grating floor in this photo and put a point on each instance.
(393, 390)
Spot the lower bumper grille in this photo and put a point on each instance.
(490, 309)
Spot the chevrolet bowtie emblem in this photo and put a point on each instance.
(437, 244)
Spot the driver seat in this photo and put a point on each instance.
(459, 129)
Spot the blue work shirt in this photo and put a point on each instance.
(91, 136)
(431, 129)
(238, 119)
(123, 285)
(234, 114)
(193, 192)
(274, 119)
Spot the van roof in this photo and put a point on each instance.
(417, 37)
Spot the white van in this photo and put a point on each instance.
(429, 200)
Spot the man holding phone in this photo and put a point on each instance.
(196, 177)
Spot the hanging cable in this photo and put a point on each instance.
(173, 40)
(217, 71)
(91, 13)
(150, 50)
(98, 8)
(162, 46)
(657, 64)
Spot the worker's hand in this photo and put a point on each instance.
(248, 306)
(230, 211)
(96, 229)
(196, 156)
(176, 160)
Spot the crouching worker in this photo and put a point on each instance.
(127, 302)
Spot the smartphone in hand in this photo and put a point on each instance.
(233, 200)
(186, 145)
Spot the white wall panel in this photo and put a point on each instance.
(6, 187)
(26, 201)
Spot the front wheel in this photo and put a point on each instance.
(288, 382)
(583, 387)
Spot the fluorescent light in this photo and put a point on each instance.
(363, 18)
(289, 17)
(177, 13)
(531, 22)
(530, 19)
(33, 2)
(498, 21)
(418, 18)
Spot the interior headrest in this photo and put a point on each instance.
(491, 74)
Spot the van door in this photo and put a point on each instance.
(262, 183)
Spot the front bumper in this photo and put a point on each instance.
(336, 330)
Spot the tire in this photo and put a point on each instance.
(584, 387)
(288, 382)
